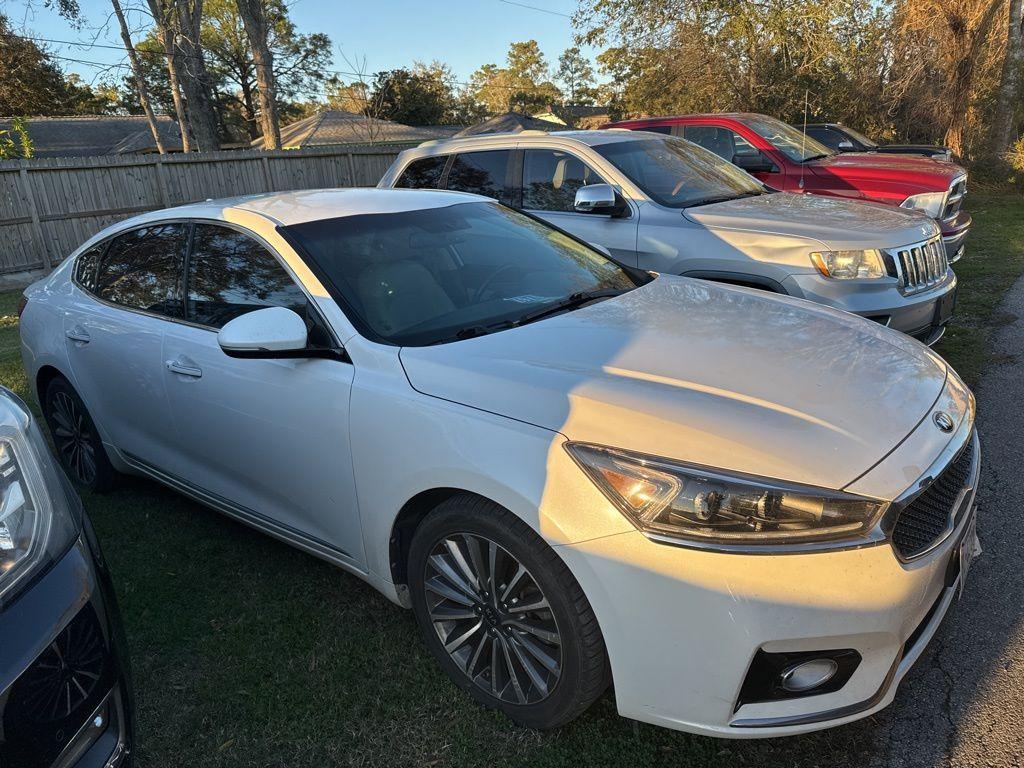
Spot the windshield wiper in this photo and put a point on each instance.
(571, 301)
(720, 199)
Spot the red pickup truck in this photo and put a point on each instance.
(784, 158)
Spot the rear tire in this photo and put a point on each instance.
(503, 615)
(76, 439)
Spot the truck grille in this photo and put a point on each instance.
(921, 266)
(926, 519)
(957, 190)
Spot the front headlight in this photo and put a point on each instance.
(846, 265)
(689, 503)
(931, 203)
(36, 524)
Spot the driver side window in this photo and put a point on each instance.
(551, 179)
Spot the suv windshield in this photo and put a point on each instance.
(442, 274)
(794, 144)
(678, 173)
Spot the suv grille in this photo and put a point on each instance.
(926, 519)
(921, 266)
(956, 198)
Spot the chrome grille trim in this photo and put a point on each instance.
(920, 266)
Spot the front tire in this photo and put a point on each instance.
(76, 438)
(503, 615)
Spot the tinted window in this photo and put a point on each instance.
(142, 269)
(85, 267)
(551, 178)
(482, 173)
(677, 173)
(230, 274)
(424, 173)
(422, 277)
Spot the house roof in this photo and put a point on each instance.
(336, 126)
(510, 122)
(85, 135)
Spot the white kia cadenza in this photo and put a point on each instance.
(748, 511)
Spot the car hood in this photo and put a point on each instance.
(700, 372)
(926, 172)
(826, 219)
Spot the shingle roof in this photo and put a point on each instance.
(510, 122)
(85, 135)
(336, 126)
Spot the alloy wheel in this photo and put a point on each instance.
(492, 618)
(73, 437)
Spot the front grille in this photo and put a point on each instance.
(957, 190)
(921, 266)
(926, 519)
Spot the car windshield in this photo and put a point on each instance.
(794, 144)
(441, 274)
(678, 173)
(858, 136)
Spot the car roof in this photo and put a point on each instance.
(288, 208)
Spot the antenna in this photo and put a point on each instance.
(803, 139)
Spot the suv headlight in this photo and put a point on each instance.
(690, 503)
(36, 523)
(846, 265)
(931, 203)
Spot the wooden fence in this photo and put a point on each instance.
(48, 207)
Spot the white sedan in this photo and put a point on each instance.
(749, 512)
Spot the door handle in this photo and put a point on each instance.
(185, 370)
(78, 334)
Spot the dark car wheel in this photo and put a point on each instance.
(76, 439)
(503, 615)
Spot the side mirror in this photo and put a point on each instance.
(845, 146)
(601, 199)
(264, 333)
(753, 162)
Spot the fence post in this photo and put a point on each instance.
(37, 225)
(351, 169)
(161, 182)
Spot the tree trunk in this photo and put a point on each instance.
(160, 19)
(140, 83)
(1009, 86)
(194, 79)
(254, 19)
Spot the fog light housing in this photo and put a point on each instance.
(796, 674)
(808, 675)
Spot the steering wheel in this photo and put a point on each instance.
(493, 278)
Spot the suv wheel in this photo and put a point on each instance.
(76, 439)
(503, 615)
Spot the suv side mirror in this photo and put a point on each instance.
(601, 199)
(264, 333)
(845, 146)
(753, 162)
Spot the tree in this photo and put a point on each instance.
(257, 28)
(1007, 102)
(576, 74)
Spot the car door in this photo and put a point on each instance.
(126, 292)
(550, 179)
(269, 437)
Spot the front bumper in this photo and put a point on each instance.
(683, 626)
(922, 315)
(64, 694)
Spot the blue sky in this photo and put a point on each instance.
(389, 33)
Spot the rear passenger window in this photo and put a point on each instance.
(142, 269)
(86, 265)
(230, 274)
(424, 173)
(482, 173)
(551, 179)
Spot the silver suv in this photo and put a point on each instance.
(666, 204)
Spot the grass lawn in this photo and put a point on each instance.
(246, 652)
